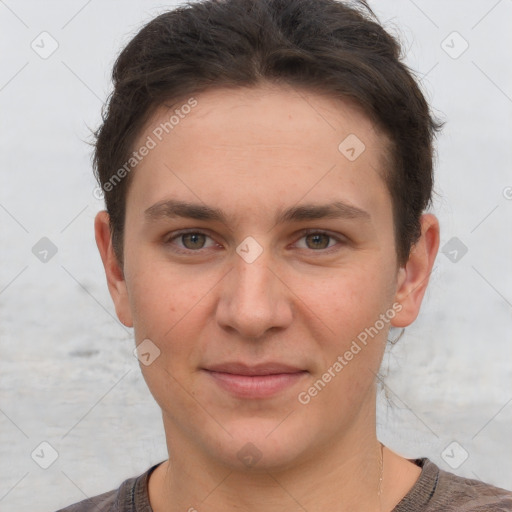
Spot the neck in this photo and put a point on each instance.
(344, 475)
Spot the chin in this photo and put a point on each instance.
(261, 444)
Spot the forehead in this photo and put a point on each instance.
(259, 137)
(275, 110)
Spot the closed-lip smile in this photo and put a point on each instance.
(271, 368)
(255, 381)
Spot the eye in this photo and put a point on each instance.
(318, 240)
(191, 241)
(187, 242)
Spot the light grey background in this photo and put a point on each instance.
(67, 372)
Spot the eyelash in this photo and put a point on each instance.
(303, 233)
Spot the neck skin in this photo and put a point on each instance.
(342, 476)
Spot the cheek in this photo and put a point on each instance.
(159, 294)
(349, 303)
(168, 307)
(350, 300)
(349, 353)
(170, 312)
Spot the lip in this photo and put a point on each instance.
(271, 368)
(257, 381)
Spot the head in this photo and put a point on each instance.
(266, 168)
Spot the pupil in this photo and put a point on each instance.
(318, 238)
(195, 239)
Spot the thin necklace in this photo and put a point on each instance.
(381, 465)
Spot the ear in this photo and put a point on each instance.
(413, 278)
(113, 271)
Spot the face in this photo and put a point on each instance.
(259, 260)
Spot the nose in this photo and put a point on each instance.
(254, 299)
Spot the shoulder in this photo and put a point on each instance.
(131, 496)
(441, 491)
(472, 495)
(102, 503)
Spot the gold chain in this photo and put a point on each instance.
(381, 469)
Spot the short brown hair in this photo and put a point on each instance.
(324, 46)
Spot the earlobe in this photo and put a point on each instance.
(413, 278)
(113, 272)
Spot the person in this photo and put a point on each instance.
(267, 167)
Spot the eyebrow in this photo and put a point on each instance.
(173, 208)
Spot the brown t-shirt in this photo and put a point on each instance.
(435, 490)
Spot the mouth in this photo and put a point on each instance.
(258, 381)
